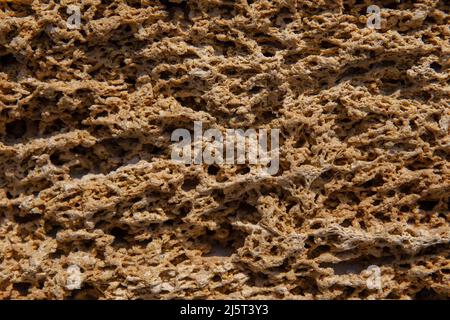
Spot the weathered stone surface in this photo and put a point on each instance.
(92, 206)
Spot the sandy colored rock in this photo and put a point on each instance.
(92, 206)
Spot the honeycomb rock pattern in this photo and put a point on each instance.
(86, 177)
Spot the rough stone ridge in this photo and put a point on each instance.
(87, 184)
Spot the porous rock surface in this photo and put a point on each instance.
(87, 184)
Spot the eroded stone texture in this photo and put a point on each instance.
(89, 197)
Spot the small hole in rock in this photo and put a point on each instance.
(78, 172)
(427, 205)
(7, 60)
(16, 129)
(22, 288)
(436, 67)
(213, 170)
(190, 184)
(119, 235)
